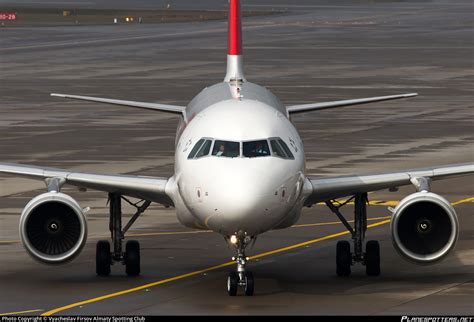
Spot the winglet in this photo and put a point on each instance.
(235, 69)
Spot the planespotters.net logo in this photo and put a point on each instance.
(437, 319)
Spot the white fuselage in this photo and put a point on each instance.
(238, 194)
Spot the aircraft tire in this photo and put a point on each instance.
(232, 283)
(103, 258)
(132, 258)
(343, 258)
(249, 284)
(372, 258)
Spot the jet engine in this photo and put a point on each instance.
(53, 228)
(424, 228)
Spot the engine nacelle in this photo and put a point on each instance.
(53, 228)
(424, 228)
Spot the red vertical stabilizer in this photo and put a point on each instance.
(235, 69)
(235, 28)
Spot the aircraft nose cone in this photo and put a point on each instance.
(238, 204)
(242, 197)
(243, 200)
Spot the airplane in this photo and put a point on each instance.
(240, 172)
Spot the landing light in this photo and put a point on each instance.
(233, 239)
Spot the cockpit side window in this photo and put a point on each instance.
(254, 149)
(286, 148)
(204, 150)
(226, 149)
(195, 149)
(278, 150)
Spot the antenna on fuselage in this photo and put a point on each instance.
(235, 66)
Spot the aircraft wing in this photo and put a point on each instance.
(293, 109)
(327, 188)
(148, 188)
(143, 105)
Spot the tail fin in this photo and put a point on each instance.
(235, 68)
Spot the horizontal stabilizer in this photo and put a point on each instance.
(325, 105)
(148, 106)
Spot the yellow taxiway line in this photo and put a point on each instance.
(388, 203)
(463, 201)
(309, 242)
(169, 233)
(21, 312)
(149, 285)
(9, 241)
(336, 222)
(164, 233)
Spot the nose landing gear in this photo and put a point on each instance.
(241, 277)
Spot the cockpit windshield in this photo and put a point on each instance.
(275, 147)
(226, 149)
(254, 149)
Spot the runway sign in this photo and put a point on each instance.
(8, 16)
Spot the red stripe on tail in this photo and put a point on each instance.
(235, 28)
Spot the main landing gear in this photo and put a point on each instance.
(344, 258)
(131, 257)
(241, 277)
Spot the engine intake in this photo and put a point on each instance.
(424, 228)
(53, 228)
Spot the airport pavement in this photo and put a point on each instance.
(314, 52)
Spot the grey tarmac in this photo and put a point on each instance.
(315, 51)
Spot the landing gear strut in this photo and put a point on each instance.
(241, 277)
(344, 258)
(131, 257)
